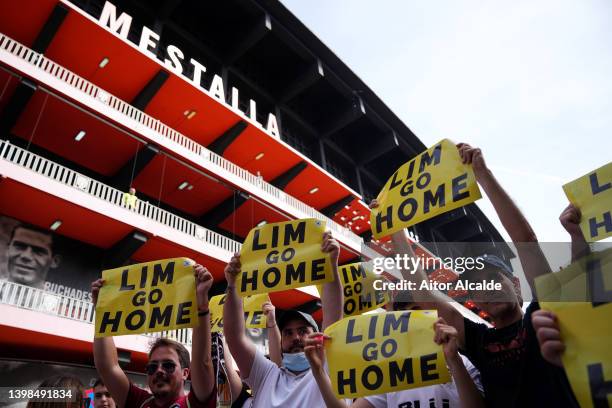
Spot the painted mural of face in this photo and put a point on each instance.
(30, 256)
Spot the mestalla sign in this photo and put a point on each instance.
(150, 42)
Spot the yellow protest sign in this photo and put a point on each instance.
(253, 315)
(283, 255)
(384, 352)
(147, 297)
(592, 194)
(432, 183)
(358, 287)
(581, 297)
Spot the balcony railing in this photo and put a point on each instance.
(38, 300)
(38, 60)
(64, 175)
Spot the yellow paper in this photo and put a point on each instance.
(147, 297)
(253, 315)
(284, 255)
(432, 183)
(581, 295)
(359, 293)
(384, 352)
(592, 195)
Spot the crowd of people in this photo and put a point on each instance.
(515, 362)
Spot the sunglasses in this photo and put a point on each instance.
(167, 365)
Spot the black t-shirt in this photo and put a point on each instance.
(512, 369)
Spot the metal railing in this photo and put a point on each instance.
(39, 300)
(93, 91)
(64, 175)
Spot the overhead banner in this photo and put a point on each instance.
(432, 183)
(384, 352)
(147, 297)
(358, 288)
(253, 315)
(592, 195)
(581, 297)
(284, 255)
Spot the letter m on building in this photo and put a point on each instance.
(109, 19)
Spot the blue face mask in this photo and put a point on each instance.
(295, 362)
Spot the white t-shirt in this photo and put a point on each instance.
(278, 387)
(433, 396)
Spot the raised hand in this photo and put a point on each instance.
(446, 336)
(269, 311)
(570, 219)
(233, 269)
(473, 155)
(314, 351)
(204, 281)
(95, 290)
(547, 331)
(331, 246)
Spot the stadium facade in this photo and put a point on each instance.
(222, 115)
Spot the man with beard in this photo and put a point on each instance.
(168, 367)
(293, 384)
(513, 371)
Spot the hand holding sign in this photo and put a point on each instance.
(570, 219)
(313, 348)
(269, 311)
(232, 270)
(204, 281)
(446, 336)
(95, 290)
(547, 331)
(472, 155)
(331, 246)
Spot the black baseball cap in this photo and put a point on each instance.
(292, 314)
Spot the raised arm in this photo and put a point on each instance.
(232, 374)
(315, 353)
(570, 219)
(332, 296)
(242, 349)
(274, 336)
(522, 235)
(202, 373)
(106, 359)
(428, 299)
(469, 395)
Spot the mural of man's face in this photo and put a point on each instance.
(30, 256)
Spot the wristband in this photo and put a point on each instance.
(203, 312)
(269, 327)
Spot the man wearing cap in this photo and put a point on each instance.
(292, 385)
(512, 369)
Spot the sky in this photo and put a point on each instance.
(529, 82)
